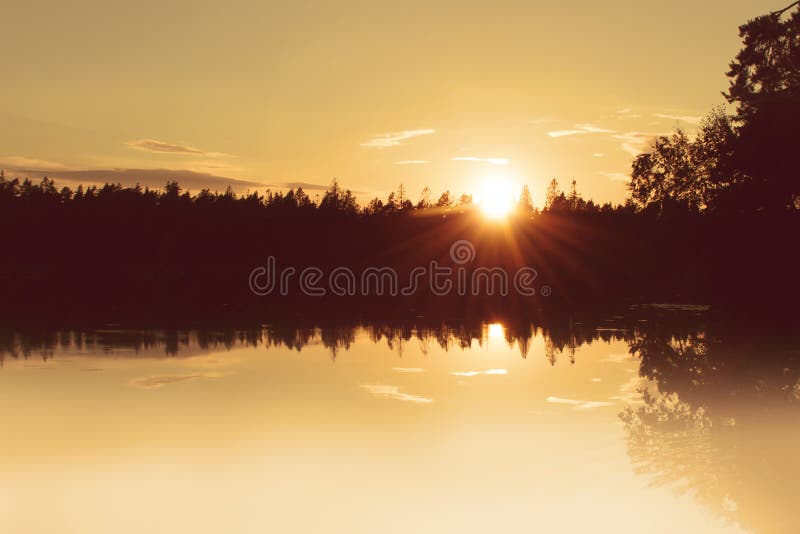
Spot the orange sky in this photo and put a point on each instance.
(445, 94)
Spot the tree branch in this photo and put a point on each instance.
(785, 9)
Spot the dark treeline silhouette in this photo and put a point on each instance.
(712, 218)
(563, 336)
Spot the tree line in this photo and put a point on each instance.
(709, 218)
(17, 194)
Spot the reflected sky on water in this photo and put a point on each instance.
(442, 429)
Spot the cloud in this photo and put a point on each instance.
(153, 178)
(493, 161)
(386, 140)
(564, 133)
(157, 382)
(630, 149)
(625, 113)
(580, 129)
(21, 162)
(408, 369)
(591, 128)
(162, 147)
(560, 400)
(475, 373)
(634, 142)
(394, 393)
(598, 155)
(588, 405)
(630, 391)
(615, 176)
(579, 404)
(691, 119)
(411, 162)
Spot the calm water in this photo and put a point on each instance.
(482, 429)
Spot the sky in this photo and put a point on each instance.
(451, 95)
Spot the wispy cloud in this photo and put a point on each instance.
(598, 155)
(634, 142)
(408, 369)
(154, 178)
(476, 373)
(579, 404)
(615, 176)
(411, 162)
(493, 161)
(580, 129)
(691, 119)
(23, 163)
(393, 392)
(591, 128)
(565, 133)
(626, 113)
(630, 391)
(162, 147)
(386, 140)
(631, 149)
(157, 382)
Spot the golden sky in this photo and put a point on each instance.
(444, 94)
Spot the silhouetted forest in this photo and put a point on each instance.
(563, 335)
(711, 217)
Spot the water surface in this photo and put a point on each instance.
(374, 429)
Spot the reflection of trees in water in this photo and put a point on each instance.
(723, 423)
(560, 338)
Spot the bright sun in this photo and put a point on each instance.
(495, 198)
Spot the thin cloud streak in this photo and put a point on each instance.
(591, 128)
(153, 178)
(615, 176)
(393, 393)
(633, 142)
(476, 373)
(387, 140)
(580, 129)
(565, 133)
(157, 382)
(578, 404)
(408, 369)
(691, 119)
(22, 163)
(411, 162)
(162, 147)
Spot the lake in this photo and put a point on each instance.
(627, 426)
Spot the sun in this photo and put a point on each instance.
(495, 198)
